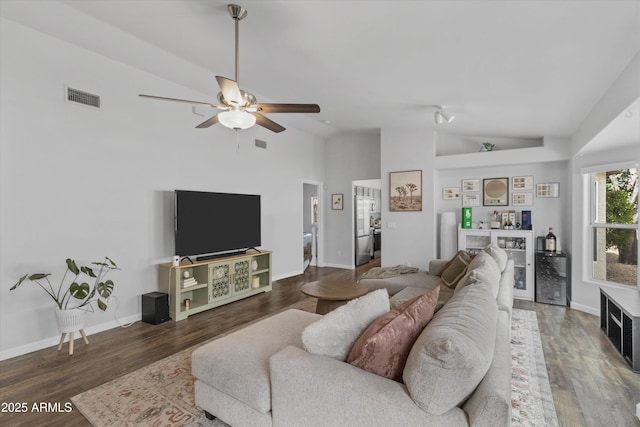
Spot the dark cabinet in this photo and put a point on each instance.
(620, 321)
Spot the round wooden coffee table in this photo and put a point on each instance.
(332, 295)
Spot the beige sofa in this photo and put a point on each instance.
(262, 376)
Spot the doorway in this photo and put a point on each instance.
(312, 220)
(367, 221)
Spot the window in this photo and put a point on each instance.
(614, 224)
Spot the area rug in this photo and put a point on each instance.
(161, 394)
(531, 399)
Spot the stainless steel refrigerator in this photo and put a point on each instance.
(364, 237)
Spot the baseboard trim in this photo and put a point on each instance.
(53, 341)
(343, 266)
(585, 308)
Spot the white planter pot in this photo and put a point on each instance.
(71, 320)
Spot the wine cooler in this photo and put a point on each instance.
(551, 277)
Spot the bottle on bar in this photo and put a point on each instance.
(550, 241)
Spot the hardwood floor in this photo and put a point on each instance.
(591, 384)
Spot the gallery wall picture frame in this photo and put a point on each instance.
(470, 185)
(470, 200)
(337, 201)
(405, 191)
(451, 193)
(547, 189)
(495, 192)
(521, 183)
(522, 199)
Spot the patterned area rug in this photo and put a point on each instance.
(161, 394)
(531, 399)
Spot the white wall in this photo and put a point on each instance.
(408, 237)
(349, 157)
(81, 183)
(624, 91)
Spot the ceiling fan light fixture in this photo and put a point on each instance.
(236, 119)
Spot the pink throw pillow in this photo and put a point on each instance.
(384, 346)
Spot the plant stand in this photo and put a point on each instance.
(70, 321)
(71, 339)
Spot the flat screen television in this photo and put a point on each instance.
(215, 223)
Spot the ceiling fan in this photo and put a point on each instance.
(241, 109)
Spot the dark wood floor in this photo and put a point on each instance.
(591, 384)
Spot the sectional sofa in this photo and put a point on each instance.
(457, 372)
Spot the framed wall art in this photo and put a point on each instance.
(337, 201)
(451, 193)
(405, 191)
(522, 199)
(496, 192)
(520, 183)
(548, 189)
(470, 185)
(470, 200)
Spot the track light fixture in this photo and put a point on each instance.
(441, 115)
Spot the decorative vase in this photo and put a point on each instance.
(71, 320)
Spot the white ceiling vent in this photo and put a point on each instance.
(80, 97)
(261, 144)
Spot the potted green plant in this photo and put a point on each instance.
(75, 298)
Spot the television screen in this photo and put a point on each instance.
(207, 223)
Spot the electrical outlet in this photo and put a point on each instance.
(339, 252)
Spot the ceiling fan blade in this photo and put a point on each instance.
(268, 123)
(209, 122)
(289, 108)
(230, 90)
(186, 101)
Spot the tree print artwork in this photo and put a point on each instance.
(405, 191)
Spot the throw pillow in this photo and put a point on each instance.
(335, 333)
(396, 303)
(384, 346)
(455, 269)
(453, 354)
(498, 254)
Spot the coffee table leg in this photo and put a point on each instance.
(325, 306)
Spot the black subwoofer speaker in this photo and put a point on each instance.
(155, 308)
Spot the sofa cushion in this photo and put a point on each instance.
(383, 347)
(335, 333)
(393, 285)
(455, 269)
(481, 269)
(238, 364)
(454, 352)
(498, 254)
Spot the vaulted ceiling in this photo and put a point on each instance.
(504, 68)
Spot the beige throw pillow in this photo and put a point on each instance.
(455, 269)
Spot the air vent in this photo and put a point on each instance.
(84, 98)
(261, 144)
